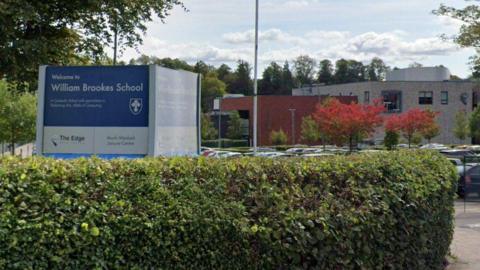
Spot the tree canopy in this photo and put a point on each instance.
(65, 32)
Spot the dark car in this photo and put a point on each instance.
(458, 153)
(470, 182)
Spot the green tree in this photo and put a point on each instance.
(391, 139)
(209, 132)
(288, 82)
(304, 67)
(377, 70)
(310, 131)
(461, 129)
(223, 71)
(241, 82)
(475, 124)
(61, 32)
(212, 88)
(278, 137)
(469, 34)
(18, 114)
(163, 62)
(202, 68)
(347, 71)
(325, 75)
(234, 130)
(271, 83)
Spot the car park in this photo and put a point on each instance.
(434, 146)
(458, 153)
(470, 181)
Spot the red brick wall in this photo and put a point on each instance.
(274, 113)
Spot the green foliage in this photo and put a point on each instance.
(461, 128)
(310, 131)
(234, 130)
(416, 138)
(61, 32)
(304, 67)
(325, 74)
(278, 137)
(240, 82)
(373, 211)
(17, 116)
(208, 131)
(391, 139)
(212, 88)
(474, 124)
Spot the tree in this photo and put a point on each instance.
(325, 75)
(415, 65)
(461, 129)
(377, 70)
(278, 137)
(241, 83)
(212, 88)
(62, 32)
(414, 123)
(430, 132)
(234, 130)
(223, 71)
(469, 35)
(208, 131)
(288, 82)
(310, 132)
(202, 68)
(163, 62)
(348, 122)
(391, 139)
(341, 71)
(304, 69)
(271, 83)
(475, 124)
(18, 111)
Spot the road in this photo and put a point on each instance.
(466, 241)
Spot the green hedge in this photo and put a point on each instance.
(373, 211)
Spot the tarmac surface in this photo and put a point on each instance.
(465, 247)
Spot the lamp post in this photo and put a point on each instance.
(292, 115)
(255, 82)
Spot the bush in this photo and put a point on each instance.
(391, 139)
(278, 137)
(373, 211)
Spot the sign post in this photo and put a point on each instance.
(122, 111)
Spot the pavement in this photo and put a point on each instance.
(465, 248)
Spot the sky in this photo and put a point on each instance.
(221, 31)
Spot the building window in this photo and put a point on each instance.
(425, 98)
(444, 97)
(366, 97)
(392, 101)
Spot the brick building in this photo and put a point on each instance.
(276, 112)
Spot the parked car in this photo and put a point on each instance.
(458, 153)
(434, 146)
(226, 154)
(470, 181)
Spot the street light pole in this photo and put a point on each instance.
(255, 81)
(292, 114)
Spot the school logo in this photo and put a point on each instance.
(136, 106)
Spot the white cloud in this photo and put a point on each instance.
(392, 46)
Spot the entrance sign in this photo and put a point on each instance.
(121, 111)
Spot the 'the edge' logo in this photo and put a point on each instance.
(136, 106)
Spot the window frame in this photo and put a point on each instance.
(423, 98)
(444, 101)
(366, 97)
(398, 93)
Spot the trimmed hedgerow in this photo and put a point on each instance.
(374, 211)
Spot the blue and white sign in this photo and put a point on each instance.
(113, 111)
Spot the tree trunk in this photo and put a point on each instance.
(350, 139)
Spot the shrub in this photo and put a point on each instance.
(278, 137)
(373, 211)
(391, 139)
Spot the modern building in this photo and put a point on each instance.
(276, 113)
(405, 89)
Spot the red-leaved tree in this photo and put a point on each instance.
(343, 123)
(412, 122)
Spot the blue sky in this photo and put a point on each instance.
(400, 32)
